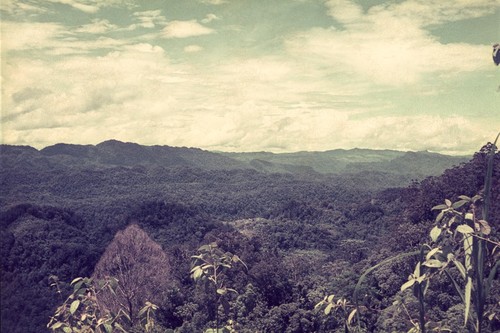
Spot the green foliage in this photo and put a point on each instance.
(301, 237)
(462, 240)
(81, 312)
(348, 311)
(211, 265)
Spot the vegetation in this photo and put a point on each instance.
(301, 238)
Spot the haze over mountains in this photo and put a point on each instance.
(411, 165)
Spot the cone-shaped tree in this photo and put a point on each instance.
(141, 267)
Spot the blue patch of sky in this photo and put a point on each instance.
(481, 30)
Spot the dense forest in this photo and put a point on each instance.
(297, 233)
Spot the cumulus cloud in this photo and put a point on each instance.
(97, 27)
(150, 18)
(209, 18)
(31, 36)
(389, 44)
(20, 9)
(184, 29)
(316, 93)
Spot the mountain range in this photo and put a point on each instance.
(415, 165)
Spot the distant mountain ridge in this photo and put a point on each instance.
(117, 153)
(355, 160)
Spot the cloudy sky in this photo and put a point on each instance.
(252, 75)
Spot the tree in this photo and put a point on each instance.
(211, 264)
(141, 268)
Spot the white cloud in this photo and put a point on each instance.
(389, 44)
(344, 11)
(214, 2)
(193, 48)
(93, 6)
(424, 12)
(84, 7)
(17, 8)
(317, 94)
(209, 18)
(97, 27)
(150, 18)
(27, 35)
(184, 29)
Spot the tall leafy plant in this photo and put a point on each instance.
(211, 265)
(462, 239)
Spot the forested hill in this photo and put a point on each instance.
(411, 165)
(302, 234)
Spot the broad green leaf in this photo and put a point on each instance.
(197, 272)
(435, 232)
(464, 197)
(460, 268)
(416, 272)
(77, 285)
(439, 207)
(108, 328)
(465, 229)
(74, 306)
(56, 325)
(120, 327)
(142, 311)
(484, 227)
(204, 248)
(328, 308)
(439, 217)
(67, 329)
(432, 252)
(76, 280)
(408, 284)
(447, 202)
(320, 304)
(351, 316)
(330, 298)
(469, 216)
(206, 266)
(468, 251)
(476, 198)
(468, 291)
(433, 263)
(459, 204)
(421, 279)
(221, 291)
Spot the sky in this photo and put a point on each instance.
(251, 75)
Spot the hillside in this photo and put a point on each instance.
(412, 164)
(409, 165)
(302, 233)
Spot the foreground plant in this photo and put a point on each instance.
(462, 239)
(210, 265)
(342, 306)
(82, 313)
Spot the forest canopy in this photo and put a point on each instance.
(301, 235)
